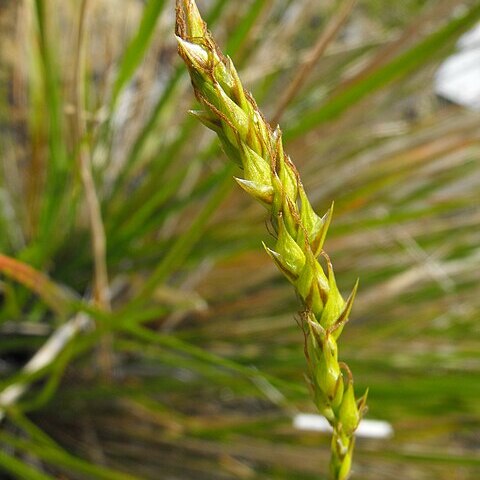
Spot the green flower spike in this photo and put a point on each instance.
(271, 178)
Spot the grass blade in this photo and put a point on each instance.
(399, 67)
(136, 49)
(58, 297)
(19, 469)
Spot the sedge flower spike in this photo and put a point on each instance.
(271, 178)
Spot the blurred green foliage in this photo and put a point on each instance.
(196, 370)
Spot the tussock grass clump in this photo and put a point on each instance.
(272, 179)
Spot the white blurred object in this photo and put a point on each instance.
(458, 78)
(47, 354)
(367, 428)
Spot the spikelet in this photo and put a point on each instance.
(271, 178)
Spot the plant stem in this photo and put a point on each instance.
(98, 237)
(272, 179)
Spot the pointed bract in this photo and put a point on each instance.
(194, 55)
(263, 193)
(291, 255)
(207, 119)
(191, 21)
(256, 168)
(349, 414)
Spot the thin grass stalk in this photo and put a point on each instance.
(306, 68)
(272, 179)
(102, 296)
(97, 229)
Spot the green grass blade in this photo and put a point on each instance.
(58, 160)
(166, 97)
(185, 243)
(19, 469)
(237, 38)
(137, 47)
(50, 387)
(63, 460)
(202, 355)
(58, 297)
(35, 432)
(399, 67)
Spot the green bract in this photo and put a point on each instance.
(272, 179)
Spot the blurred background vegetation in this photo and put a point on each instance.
(174, 351)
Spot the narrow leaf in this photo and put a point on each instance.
(59, 298)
